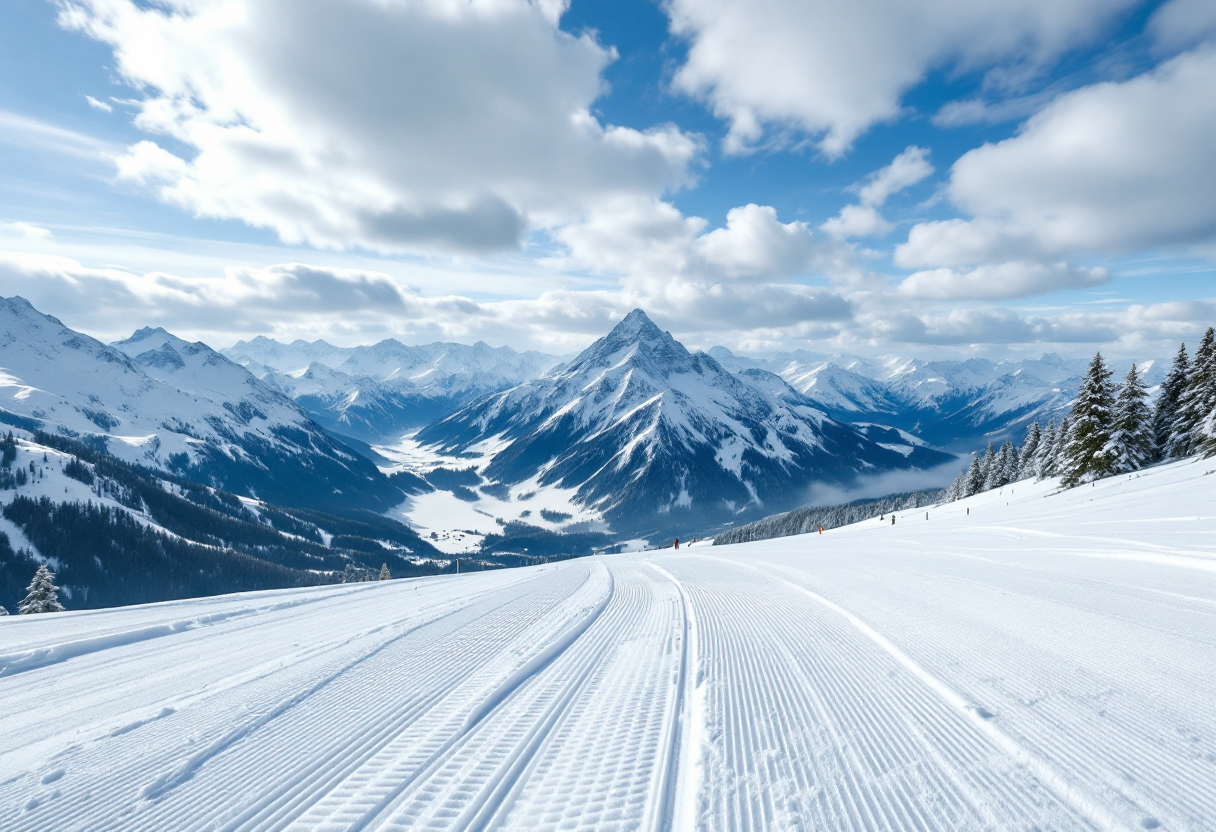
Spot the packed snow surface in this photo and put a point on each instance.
(1042, 662)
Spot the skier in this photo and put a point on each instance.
(677, 543)
(821, 529)
(892, 519)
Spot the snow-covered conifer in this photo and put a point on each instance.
(1086, 454)
(990, 468)
(1009, 463)
(1063, 432)
(1131, 442)
(43, 594)
(1197, 400)
(1030, 449)
(385, 575)
(1165, 409)
(1046, 452)
(3, 611)
(975, 478)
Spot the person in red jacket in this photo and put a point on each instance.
(677, 543)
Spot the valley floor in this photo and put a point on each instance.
(1044, 662)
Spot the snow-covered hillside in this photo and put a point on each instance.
(1041, 661)
(159, 401)
(655, 437)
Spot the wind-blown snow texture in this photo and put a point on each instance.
(1042, 662)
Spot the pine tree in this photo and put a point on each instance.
(1027, 467)
(1132, 444)
(385, 575)
(1046, 452)
(990, 468)
(1165, 413)
(1198, 398)
(1063, 432)
(1086, 454)
(43, 594)
(1009, 463)
(955, 490)
(975, 478)
(3, 611)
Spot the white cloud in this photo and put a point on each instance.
(391, 125)
(98, 105)
(908, 168)
(999, 281)
(650, 240)
(832, 69)
(1108, 169)
(905, 170)
(857, 221)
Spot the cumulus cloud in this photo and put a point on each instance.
(1107, 169)
(857, 221)
(832, 69)
(999, 281)
(391, 125)
(652, 240)
(906, 169)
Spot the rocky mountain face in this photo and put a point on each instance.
(655, 437)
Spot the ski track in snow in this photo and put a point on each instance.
(1045, 664)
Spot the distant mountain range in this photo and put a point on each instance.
(635, 436)
(375, 393)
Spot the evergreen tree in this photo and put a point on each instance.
(989, 468)
(1063, 432)
(1046, 452)
(1165, 414)
(1198, 399)
(385, 575)
(1027, 467)
(43, 594)
(975, 478)
(3, 611)
(1086, 454)
(1009, 463)
(1132, 444)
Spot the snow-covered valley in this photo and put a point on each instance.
(1020, 659)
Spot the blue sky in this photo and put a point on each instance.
(878, 177)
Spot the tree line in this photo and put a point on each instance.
(1111, 429)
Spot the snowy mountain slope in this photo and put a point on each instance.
(379, 391)
(179, 407)
(1042, 662)
(119, 534)
(653, 436)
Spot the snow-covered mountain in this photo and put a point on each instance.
(655, 437)
(948, 403)
(378, 392)
(180, 407)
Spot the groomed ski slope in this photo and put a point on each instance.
(1044, 662)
